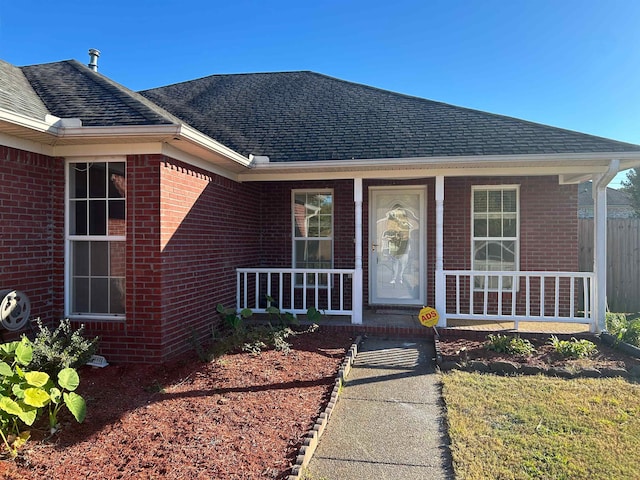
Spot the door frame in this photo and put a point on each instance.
(422, 249)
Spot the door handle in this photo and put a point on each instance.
(373, 247)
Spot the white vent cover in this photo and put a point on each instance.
(15, 308)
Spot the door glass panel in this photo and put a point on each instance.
(396, 261)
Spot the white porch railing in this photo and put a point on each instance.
(295, 290)
(519, 296)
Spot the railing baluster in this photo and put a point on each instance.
(542, 295)
(457, 294)
(486, 294)
(557, 297)
(572, 291)
(500, 294)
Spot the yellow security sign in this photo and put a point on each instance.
(428, 317)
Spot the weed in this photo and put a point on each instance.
(573, 348)
(508, 344)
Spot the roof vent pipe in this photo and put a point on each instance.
(93, 59)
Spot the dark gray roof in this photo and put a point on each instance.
(614, 197)
(16, 94)
(308, 116)
(72, 90)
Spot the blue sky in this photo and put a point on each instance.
(571, 64)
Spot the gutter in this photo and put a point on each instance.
(451, 161)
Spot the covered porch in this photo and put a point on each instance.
(525, 300)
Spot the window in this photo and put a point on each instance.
(96, 239)
(495, 232)
(312, 219)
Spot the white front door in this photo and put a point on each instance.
(397, 251)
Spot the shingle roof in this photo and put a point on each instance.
(16, 94)
(69, 89)
(614, 197)
(308, 116)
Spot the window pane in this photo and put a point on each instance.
(117, 182)
(495, 227)
(509, 201)
(80, 255)
(325, 225)
(99, 295)
(99, 259)
(117, 258)
(78, 180)
(97, 217)
(80, 289)
(97, 180)
(480, 252)
(495, 200)
(509, 255)
(78, 220)
(509, 227)
(494, 253)
(480, 227)
(480, 201)
(117, 292)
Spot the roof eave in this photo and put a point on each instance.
(570, 166)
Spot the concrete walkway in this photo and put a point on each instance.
(388, 422)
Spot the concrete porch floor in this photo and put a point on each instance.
(406, 319)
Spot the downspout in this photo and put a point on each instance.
(599, 193)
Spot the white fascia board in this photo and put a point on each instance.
(173, 152)
(408, 173)
(200, 139)
(137, 131)
(46, 125)
(171, 134)
(494, 165)
(102, 149)
(18, 143)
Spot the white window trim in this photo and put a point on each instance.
(515, 187)
(293, 225)
(68, 238)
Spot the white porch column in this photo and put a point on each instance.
(357, 275)
(599, 193)
(441, 300)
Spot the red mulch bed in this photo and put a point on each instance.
(462, 350)
(242, 416)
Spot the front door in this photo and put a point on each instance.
(397, 246)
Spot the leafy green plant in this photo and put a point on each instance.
(233, 319)
(237, 336)
(623, 328)
(25, 394)
(513, 345)
(61, 348)
(573, 348)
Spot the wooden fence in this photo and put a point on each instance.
(623, 260)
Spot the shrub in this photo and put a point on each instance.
(507, 344)
(573, 348)
(61, 348)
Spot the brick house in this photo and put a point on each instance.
(137, 213)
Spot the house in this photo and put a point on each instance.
(137, 213)
(619, 204)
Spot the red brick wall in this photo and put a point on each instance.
(32, 229)
(210, 227)
(276, 229)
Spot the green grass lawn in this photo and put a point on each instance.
(536, 427)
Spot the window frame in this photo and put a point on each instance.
(295, 239)
(69, 239)
(515, 239)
